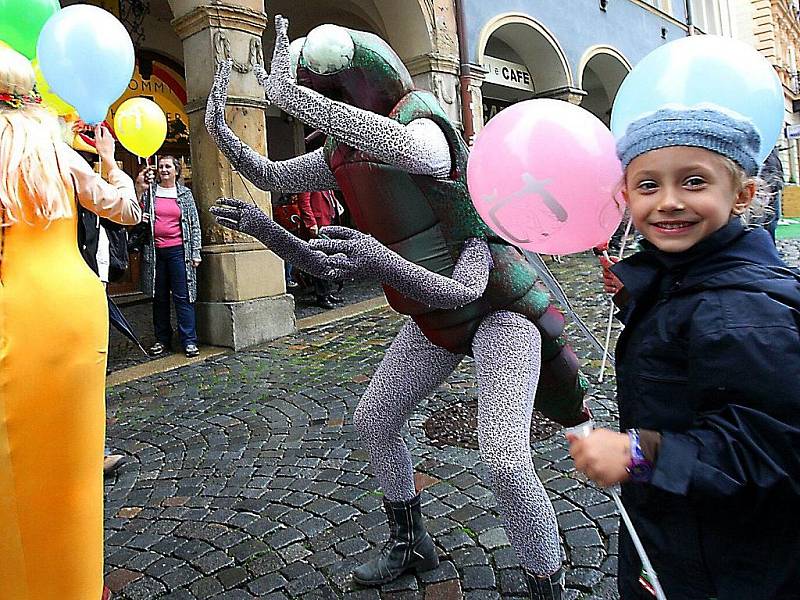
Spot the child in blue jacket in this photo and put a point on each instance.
(708, 371)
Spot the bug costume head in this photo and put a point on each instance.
(351, 66)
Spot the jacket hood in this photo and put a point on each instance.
(367, 74)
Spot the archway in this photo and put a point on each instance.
(404, 25)
(523, 60)
(602, 70)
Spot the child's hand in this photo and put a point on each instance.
(611, 283)
(604, 456)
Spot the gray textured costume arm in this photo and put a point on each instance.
(419, 147)
(251, 220)
(367, 257)
(307, 172)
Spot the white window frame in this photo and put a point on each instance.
(701, 18)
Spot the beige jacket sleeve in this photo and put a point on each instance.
(114, 200)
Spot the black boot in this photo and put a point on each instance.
(546, 588)
(410, 547)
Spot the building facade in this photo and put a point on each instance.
(477, 57)
(773, 27)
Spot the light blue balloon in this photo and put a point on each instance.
(86, 55)
(703, 70)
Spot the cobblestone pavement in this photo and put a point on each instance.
(245, 477)
(123, 354)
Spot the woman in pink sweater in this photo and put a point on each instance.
(171, 258)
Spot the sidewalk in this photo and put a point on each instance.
(245, 477)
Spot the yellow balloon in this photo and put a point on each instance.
(140, 126)
(49, 99)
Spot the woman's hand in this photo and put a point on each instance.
(144, 179)
(104, 143)
(196, 262)
(603, 455)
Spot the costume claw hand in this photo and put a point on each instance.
(261, 75)
(280, 76)
(215, 107)
(237, 215)
(358, 254)
(340, 267)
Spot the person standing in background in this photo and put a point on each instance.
(172, 254)
(772, 175)
(318, 210)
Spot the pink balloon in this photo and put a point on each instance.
(542, 175)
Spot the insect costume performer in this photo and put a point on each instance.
(401, 167)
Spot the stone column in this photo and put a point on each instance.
(241, 298)
(473, 76)
(438, 74)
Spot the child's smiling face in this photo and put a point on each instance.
(680, 195)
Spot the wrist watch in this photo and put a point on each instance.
(640, 469)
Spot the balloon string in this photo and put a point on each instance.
(637, 543)
(583, 431)
(611, 306)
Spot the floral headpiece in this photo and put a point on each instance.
(14, 100)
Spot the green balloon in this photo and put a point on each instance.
(22, 20)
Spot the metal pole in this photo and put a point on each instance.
(467, 117)
(689, 17)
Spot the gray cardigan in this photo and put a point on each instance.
(190, 230)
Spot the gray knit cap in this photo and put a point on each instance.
(720, 132)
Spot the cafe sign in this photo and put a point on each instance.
(507, 73)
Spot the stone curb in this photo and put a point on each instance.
(177, 360)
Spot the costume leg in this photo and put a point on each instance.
(411, 369)
(507, 349)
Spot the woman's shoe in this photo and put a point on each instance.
(112, 462)
(157, 349)
(191, 351)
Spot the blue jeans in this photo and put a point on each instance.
(171, 277)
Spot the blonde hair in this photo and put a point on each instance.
(761, 208)
(31, 181)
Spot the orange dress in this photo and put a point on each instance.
(53, 347)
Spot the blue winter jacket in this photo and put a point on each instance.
(710, 357)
